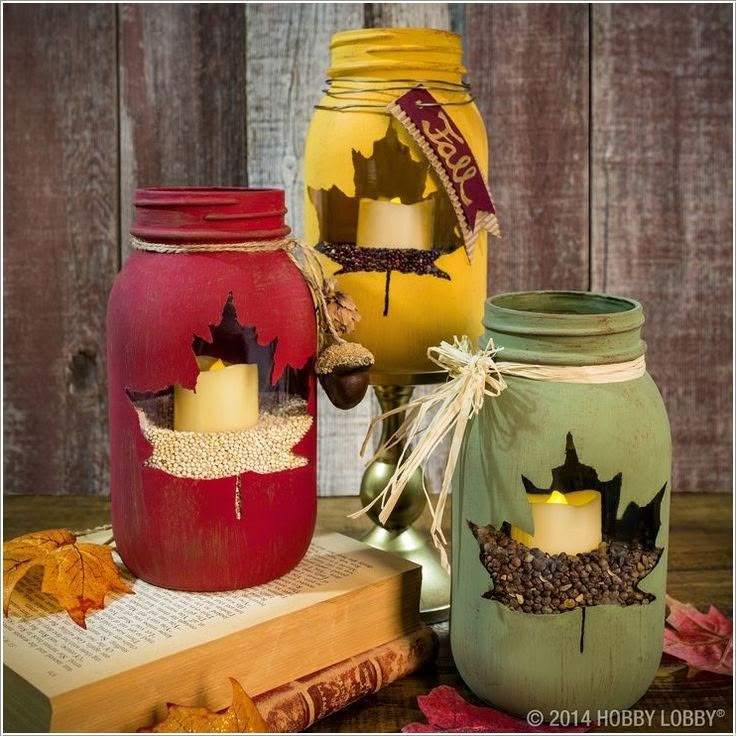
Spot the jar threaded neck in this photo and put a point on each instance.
(209, 214)
(408, 53)
(564, 327)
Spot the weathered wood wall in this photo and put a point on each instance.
(610, 131)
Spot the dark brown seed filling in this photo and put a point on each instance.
(533, 581)
(404, 260)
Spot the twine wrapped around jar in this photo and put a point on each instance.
(309, 266)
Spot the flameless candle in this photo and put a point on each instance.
(386, 223)
(224, 400)
(563, 522)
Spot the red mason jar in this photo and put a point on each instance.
(211, 345)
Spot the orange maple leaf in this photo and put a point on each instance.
(241, 717)
(78, 574)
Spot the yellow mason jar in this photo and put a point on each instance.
(376, 209)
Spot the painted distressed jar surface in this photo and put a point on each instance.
(211, 393)
(595, 638)
(370, 187)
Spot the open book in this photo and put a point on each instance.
(161, 645)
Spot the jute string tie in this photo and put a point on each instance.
(303, 257)
(472, 376)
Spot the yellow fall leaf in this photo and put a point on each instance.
(78, 574)
(241, 717)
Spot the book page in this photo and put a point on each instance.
(43, 645)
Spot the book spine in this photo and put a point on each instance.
(299, 704)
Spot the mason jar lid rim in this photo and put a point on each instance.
(216, 190)
(351, 34)
(632, 306)
(527, 323)
(199, 214)
(416, 52)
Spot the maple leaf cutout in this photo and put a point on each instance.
(78, 574)
(447, 712)
(703, 640)
(241, 717)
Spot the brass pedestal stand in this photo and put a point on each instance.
(397, 534)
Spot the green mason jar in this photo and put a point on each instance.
(561, 512)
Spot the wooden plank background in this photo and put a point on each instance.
(610, 129)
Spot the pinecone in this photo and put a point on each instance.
(341, 309)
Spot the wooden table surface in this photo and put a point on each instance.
(700, 572)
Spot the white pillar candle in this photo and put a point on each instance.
(386, 223)
(225, 398)
(563, 522)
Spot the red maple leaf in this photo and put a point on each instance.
(703, 640)
(447, 712)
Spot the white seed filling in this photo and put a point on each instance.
(266, 447)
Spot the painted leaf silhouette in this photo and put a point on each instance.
(389, 172)
(607, 575)
(241, 717)
(447, 712)
(703, 640)
(78, 574)
(633, 525)
(281, 424)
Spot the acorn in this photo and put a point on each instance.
(342, 369)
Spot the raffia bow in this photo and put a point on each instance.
(472, 376)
